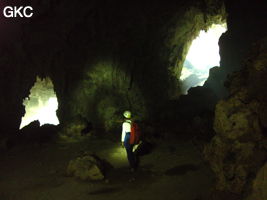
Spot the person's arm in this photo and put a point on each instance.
(123, 133)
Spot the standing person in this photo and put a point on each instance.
(125, 139)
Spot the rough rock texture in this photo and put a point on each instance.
(73, 128)
(86, 168)
(259, 186)
(239, 148)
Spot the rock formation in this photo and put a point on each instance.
(238, 150)
(86, 168)
(259, 185)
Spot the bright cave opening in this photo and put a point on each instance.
(41, 104)
(203, 54)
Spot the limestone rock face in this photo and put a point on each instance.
(260, 185)
(239, 148)
(85, 168)
(73, 128)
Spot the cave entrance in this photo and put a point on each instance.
(41, 104)
(203, 54)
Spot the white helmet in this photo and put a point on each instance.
(127, 114)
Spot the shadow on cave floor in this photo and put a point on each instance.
(181, 170)
(173, 170)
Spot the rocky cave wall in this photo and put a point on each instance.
(239, 148)
(103, 57)
(246, 25)
(237, 153)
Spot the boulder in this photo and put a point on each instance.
(74, 128)
(86, 168)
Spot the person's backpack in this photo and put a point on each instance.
(135, 133)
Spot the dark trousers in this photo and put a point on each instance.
(129, 151)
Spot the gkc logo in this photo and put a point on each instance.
(21, 11)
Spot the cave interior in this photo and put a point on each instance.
(70, 71)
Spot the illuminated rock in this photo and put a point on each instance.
(85, 168)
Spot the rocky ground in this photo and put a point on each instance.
(172, 170)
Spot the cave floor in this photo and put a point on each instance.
(173, 170)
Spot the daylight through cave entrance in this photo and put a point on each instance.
(203, 54)
(41, 104)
